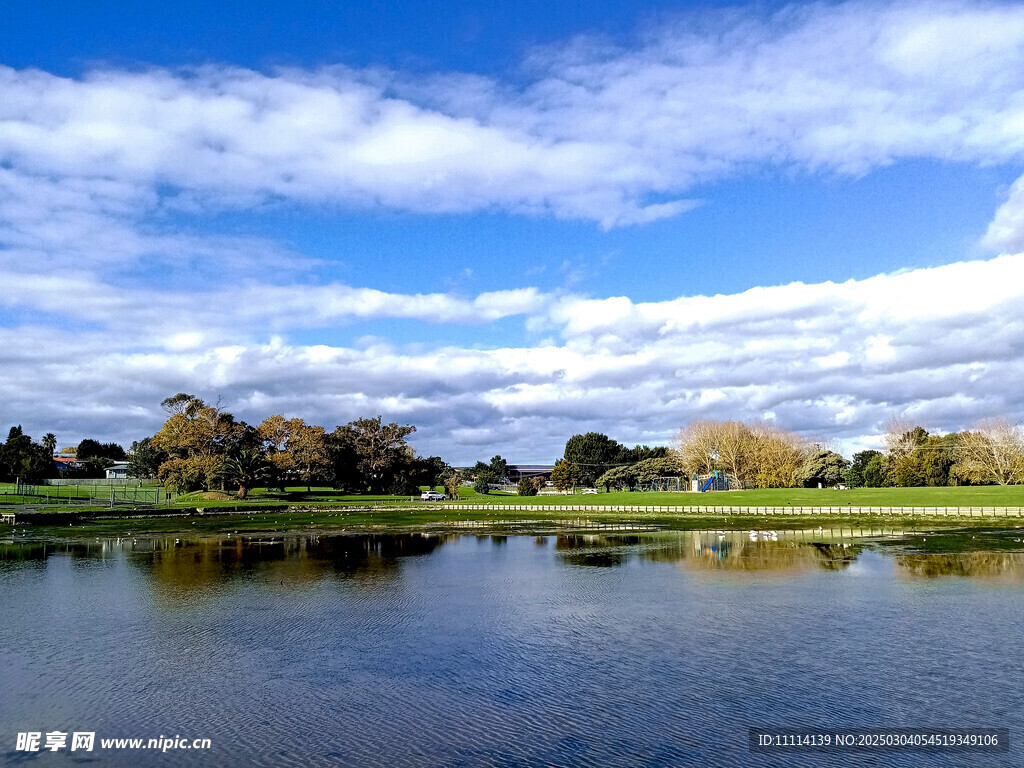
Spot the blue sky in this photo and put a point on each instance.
(509, 224)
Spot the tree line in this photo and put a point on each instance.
(202, 447)
(23, 458)
(766, 456)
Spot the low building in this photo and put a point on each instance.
(117, 471)
(517, 472)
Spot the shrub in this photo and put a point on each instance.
(483, 482)
(527, 487)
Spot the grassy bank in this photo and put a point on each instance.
(432, 519)
(265, 510)
(962, 496)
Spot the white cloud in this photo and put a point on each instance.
(1006, 232)
(619, 135)
(825, 359)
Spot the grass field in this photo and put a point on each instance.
(77, 494)
(266, 511)
(961, 496)
(393, 519)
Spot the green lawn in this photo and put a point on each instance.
(63, 494)
(973, 496)
(963, 496)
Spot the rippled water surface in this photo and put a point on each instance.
(653, 649)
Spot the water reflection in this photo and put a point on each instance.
(191, 566)
(194, 565)
(781, 553)
(1003, 566)
(784, 552)
(594, 550)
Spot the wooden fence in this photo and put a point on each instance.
(730, 510)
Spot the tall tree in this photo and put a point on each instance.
(824, 469)
(565, 475)
(499, 468)
(380, 449)
(197, 439)
(90, 449)
(145, 459)
(22, 459)
(856, 474)
(994, 453)
(779, 454)
(637, 453)
(296, 450)
(875, 471)
(696, 445)
(593, 454)
(759, 456)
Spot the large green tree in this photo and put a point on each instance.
(565, 475)
(617, 478)
(145, 459)
(824, 468)
(379, 450)
(296, 451)
(197, 439)
(593, 454)
(20, 458)
(499, 468)
(855, 474)
(648, 470)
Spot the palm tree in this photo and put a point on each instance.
(246, 468)
(49, 444)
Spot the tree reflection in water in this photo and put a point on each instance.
(1003, 566)
(180, 568)
(712, 551)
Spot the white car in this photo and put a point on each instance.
(432, 496)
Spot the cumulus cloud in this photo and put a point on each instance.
(830, 360)
(1006, 232)
(615, 134)
(176, 319)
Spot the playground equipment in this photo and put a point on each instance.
(666, 483)
(716, 481)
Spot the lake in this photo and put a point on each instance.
(464, 650)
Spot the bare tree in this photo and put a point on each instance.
(900, 437)
(992, 454)
(736, 452)
(759, 456)
(696, 447)
(778, 456)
